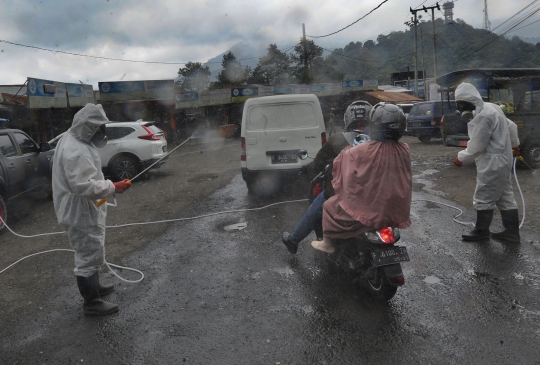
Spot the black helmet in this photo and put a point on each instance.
(387, 122)
(357, 112)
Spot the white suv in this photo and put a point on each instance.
(131, 147)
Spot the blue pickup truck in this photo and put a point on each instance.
(25, 169)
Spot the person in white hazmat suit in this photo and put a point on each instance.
(78, 184)
(492, 141)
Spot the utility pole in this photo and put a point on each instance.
(306, 72)
(487, 24)
(410, 24)
(425, 9)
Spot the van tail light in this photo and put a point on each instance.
(400, 280)
(243, 144)
(150, 136)
(323, 137)
(433, 122)
(442, 123)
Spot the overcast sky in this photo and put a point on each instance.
(177, 32)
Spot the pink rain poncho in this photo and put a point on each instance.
(373, 189)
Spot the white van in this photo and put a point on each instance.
(274, 129)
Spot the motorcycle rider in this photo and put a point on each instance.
(355, 120)
(372, 182)
(492, 137)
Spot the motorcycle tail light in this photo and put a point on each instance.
(317, 188)
(323, 137)
(243, 144)
(398, 280)
(386, 235)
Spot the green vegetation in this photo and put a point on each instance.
(459, 46)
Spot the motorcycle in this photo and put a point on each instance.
(373, 259)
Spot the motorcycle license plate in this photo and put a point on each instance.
(391, 255)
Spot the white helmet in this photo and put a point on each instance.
(357, 112)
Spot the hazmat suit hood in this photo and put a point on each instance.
(87, 121)
(469, 93)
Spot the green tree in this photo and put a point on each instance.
(193, 77)
(273, 68)
(300, 57)
(233, 73)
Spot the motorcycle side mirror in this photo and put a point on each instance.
(302, 154)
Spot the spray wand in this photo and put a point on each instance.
(104, 200)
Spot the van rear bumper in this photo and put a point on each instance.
(251, 175)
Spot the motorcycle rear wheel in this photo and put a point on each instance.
(378, 286)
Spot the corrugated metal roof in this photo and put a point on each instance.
(392, 97)
(12, 99)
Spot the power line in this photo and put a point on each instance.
(118, 59)
(91, 56)
(500, 35)
(322, 36)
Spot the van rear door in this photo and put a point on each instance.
(276, 131)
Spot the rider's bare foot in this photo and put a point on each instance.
(325, 245)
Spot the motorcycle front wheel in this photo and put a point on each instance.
(378, 286)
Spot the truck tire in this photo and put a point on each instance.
(424, 139)
(531, 153)
(444, 141)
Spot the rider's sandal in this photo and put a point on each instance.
(321, 246)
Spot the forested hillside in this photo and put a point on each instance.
(458, 46)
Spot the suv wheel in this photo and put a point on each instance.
(124, 167)
(424, 139)
(3, 212)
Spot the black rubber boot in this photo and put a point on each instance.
(104, 289)
(291, 246)
(510, 221)
(93, 304)
(481, 228)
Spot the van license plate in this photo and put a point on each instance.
(283, 157)
(388, 256)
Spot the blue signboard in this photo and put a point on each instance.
(36, 87)
(187, 96)
(117, 87)
(316, 88)
(75, 90)
(352, 83)
(283, 89)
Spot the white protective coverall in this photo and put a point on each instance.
(491, 139)
(77, 183)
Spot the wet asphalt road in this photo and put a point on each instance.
(212, 296)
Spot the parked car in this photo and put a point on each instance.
(131, 147)
(25, 169)
(274, 129)
(424, 118)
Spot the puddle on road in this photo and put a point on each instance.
(432, 280)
